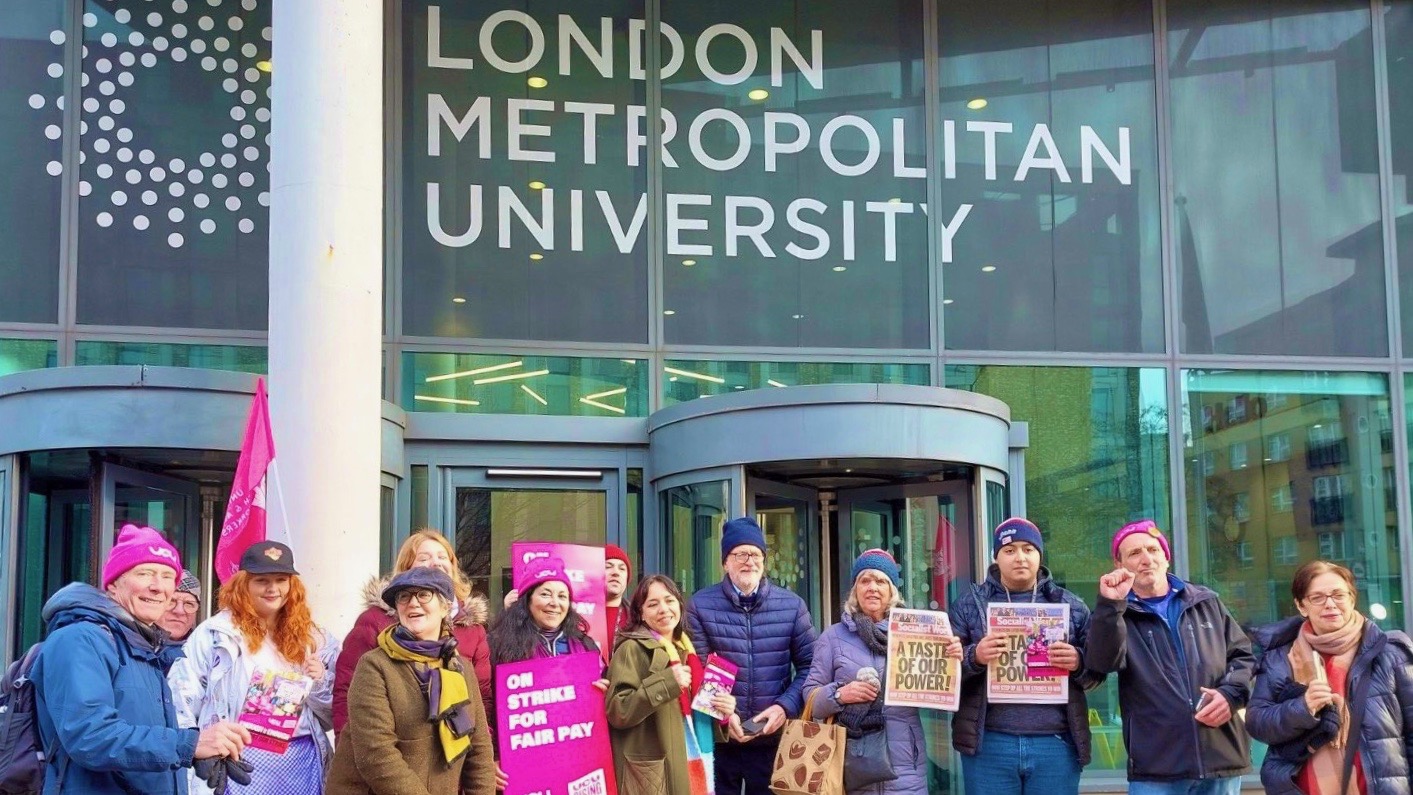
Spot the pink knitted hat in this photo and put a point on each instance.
(1146, 527)
(136, 546)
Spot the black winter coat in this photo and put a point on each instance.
(1158, 697)
(772, 643)
(968, 616)
(1380, 710)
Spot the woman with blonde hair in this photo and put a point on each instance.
(426, 547)
(264, 626)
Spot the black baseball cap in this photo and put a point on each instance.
(268, 557)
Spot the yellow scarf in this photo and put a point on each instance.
(450, 687)
(675, 651)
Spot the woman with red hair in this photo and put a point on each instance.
(264, 626)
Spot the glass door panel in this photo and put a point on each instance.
(788, 515)
(928, 528)
(489, 517)
(693, 515)
(170, 505)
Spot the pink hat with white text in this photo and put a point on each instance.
(540, 571)
(136, 546)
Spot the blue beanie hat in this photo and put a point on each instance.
(878, 560)
(420, 578)
(741, 531)
(1013, 530)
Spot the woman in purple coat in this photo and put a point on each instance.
(859, 641)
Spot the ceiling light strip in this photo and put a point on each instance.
(511, 377)
(532, 393)
(609, 393)
(478, 371)
(454, 401)
(690, 374)
(605, 406)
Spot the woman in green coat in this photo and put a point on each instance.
(416, 725)
(659, 745)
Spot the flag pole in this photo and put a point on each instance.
(280, 498)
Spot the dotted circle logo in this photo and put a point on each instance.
(127, 180)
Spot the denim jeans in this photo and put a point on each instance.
(1022, 764)
(1188, 786)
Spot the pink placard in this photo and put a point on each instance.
(548, 708)
(584, 566)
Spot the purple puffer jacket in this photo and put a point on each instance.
(838, 656)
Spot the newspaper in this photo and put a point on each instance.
(919, 672)
(1023, 673)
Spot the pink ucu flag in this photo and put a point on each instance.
(245, 512)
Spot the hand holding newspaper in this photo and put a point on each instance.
(718, 677)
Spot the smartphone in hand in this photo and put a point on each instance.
(1203, 702)
(751, 728)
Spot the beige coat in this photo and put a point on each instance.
(390, 748)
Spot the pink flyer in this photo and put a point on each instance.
(550, 706)
(584, 566)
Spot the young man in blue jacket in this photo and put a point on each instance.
(1184, 667)
(100, 679)
(766, 631)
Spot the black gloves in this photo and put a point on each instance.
(217, 770)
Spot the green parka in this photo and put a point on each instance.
(645, 719)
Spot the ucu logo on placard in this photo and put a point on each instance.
(163, 552)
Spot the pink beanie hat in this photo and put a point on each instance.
(1146, 527)
(540, 571)
(136, 546)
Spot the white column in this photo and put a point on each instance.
(326, 297)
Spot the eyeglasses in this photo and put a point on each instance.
(422, 597)
(1340, 598)
(747, 557)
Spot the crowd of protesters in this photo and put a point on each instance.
(133, 695)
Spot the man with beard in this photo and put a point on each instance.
(1020, 749)
(1185, 669)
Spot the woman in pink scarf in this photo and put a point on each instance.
(1334, 694)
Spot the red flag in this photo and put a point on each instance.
(245, 512)
(943, 560)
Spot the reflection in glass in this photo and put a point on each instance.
(33, 42)
(240, 358)
(1050, 135)
(692, 517)
(684, 380)
(17, 355)
(794, 176)
(1098, 457)
(633, 523)
(1275, 175)
(1398, 31)
(479, 383)
(792, 552)
(56, 544)
(488, 521)
(1330, 497)
(523, 193)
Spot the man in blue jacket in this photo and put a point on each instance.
(766, 631)
(101, 695)
(1184, 667)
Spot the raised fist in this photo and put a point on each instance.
(1116, 584)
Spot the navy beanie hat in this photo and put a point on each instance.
(1013, 530)
(420, 578)
(878, 560)
(741, 531)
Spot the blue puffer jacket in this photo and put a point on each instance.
(101, 690)
(838, 657)
(1380, 706)
(772, 644)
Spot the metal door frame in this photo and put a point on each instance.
(812, 531)
(105, 518)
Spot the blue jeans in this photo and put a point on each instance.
(1187, 786)
(1022, 764)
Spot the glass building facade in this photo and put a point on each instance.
(1174, 237)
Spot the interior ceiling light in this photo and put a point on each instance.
(455, 401)
(432, 379)
(511, 377)
(594, 400)
(947, 301)
(689, 262)
(669, 312)
(532, 393)
(537, 82)
(458, 300)
(988, 268)
(757, 94)
(537, 256)
(797, 317)
(265, 66)
(977, 104)
(604, 406)
(774, 383)
(537, 185)
(839, 268)
(690, 374)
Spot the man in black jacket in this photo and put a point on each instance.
(1184, 667)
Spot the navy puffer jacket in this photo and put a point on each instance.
(772, 643)
(1380, 706)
